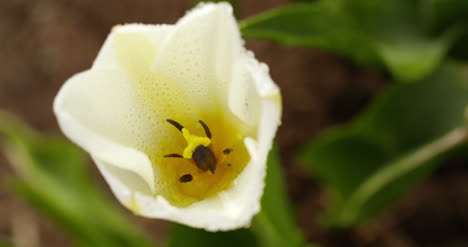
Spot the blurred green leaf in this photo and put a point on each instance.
(392, 33)
(2, 244)
(399, 139)
(55, 180)
(441, 14)
(321, 24)
(459, 50)
(400, 35)
(273, 226)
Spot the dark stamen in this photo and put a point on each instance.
(213, 169)
(185, 178)
(229, 165)
(227, 151)
(176, 124)
(207, 130)
(173, 156)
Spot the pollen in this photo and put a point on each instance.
(193, 142)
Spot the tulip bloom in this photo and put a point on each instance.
(178, 118)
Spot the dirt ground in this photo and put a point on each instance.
(44, 42)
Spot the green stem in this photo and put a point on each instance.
(264, 230)
(398, 168)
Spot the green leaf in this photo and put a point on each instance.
(449, 14)
(321, 24)
(390, 33)
(459, 50)
(400, 35)
(441, 14)
(411, 57)
(368, 164)
(397, 174)
(55, 180)
(2, 244)
(273, 226)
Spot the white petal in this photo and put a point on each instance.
(132, 49)
(229, 210)
(235, 207)
(200, 52)
(100, 111)
(134, 36)
(210, 214)
(250, 84)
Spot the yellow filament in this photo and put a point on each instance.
(193, 142)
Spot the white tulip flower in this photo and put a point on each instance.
(178, 118)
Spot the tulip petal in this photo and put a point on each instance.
(236, 206)
(200, 53)
(251, 83)
(100, 111)
(144, 40)
(229, 210)
(132, 49)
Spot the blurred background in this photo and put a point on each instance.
(44, 42)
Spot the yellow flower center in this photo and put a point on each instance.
(203, 183)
